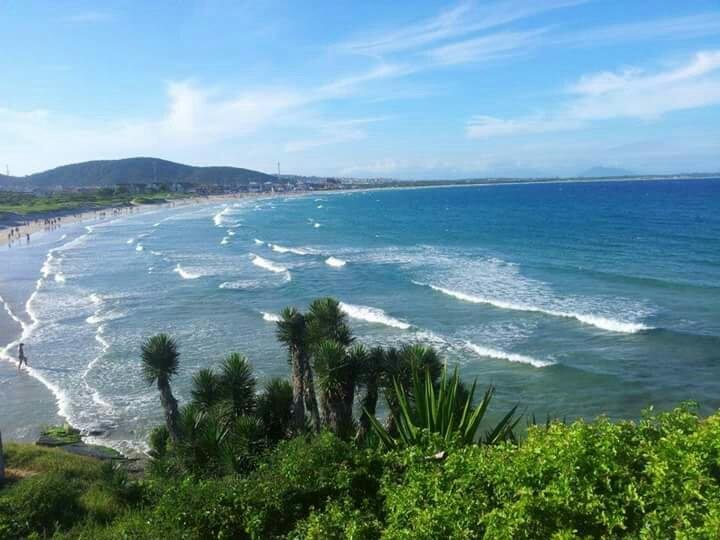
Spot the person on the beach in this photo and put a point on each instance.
(21, 356)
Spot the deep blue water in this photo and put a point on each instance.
(573, 299)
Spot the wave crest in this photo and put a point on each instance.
(266, 264)
(373, 315)
(335, 263)
(604, 323)
(186, 274)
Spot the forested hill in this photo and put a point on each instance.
(136, 170)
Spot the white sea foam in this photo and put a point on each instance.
(258, 241)
(225, 240)
(156, 224)
(334, 262)
(510, 357)
(319, 205)
(220, 216)
(139, 247)
(231, 233)
(282, 249)
(373, 315)
(60, 277)
(131, 241)
(156, 253)
(316, 225)
(270, 317)
(603, 323)
(99, 317)
(186, 274)
(266, 264)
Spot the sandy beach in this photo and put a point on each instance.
(52, 220)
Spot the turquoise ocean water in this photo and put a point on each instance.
(574, 299)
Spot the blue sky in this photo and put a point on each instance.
(393, 89)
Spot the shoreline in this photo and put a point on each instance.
(53, 393)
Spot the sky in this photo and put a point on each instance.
(420, 89)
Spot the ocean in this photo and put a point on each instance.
(573, 299)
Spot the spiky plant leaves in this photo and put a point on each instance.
(274, 408)
(237, 384)
(444, 409)
(327, 322)
(160, 358)
(206, 390)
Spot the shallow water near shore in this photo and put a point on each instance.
(575, 299)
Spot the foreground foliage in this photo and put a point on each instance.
(656, 478)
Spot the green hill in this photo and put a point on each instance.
(135, 170)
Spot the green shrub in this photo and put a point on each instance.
(303, 475)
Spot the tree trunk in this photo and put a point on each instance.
(170, 406)
(298, 388)
(2, 462)
(310, 398)
(369, 404)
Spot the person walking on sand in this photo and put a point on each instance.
(21, 356)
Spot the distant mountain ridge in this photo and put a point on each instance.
(143, 170)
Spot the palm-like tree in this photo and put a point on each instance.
(292, 332)
(274, 408)
(160, 363)
(337, 369)
(206, 391)
(370, 374)
(326, 321)
(237, 385)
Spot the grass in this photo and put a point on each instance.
(62, 434)
(28, 204)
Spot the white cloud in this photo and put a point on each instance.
(630, 93)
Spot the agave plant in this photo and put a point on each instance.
(445, 410)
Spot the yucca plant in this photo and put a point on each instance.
(444, 409)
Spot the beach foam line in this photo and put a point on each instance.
(372, 315)
(335, 263)
(510, 357)
(282, 249)
(186, 274)
(270, 317)
(266, 264)
(61, 398)
(603, 323)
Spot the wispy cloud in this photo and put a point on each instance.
(630, 93)
(462, 20)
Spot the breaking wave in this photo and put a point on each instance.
(510, 357)
(218, 218)
(373, 315)
(266, 264)
(603, 323)
(186, 274)
(270, 317)
(336, 263)
(282, 249)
